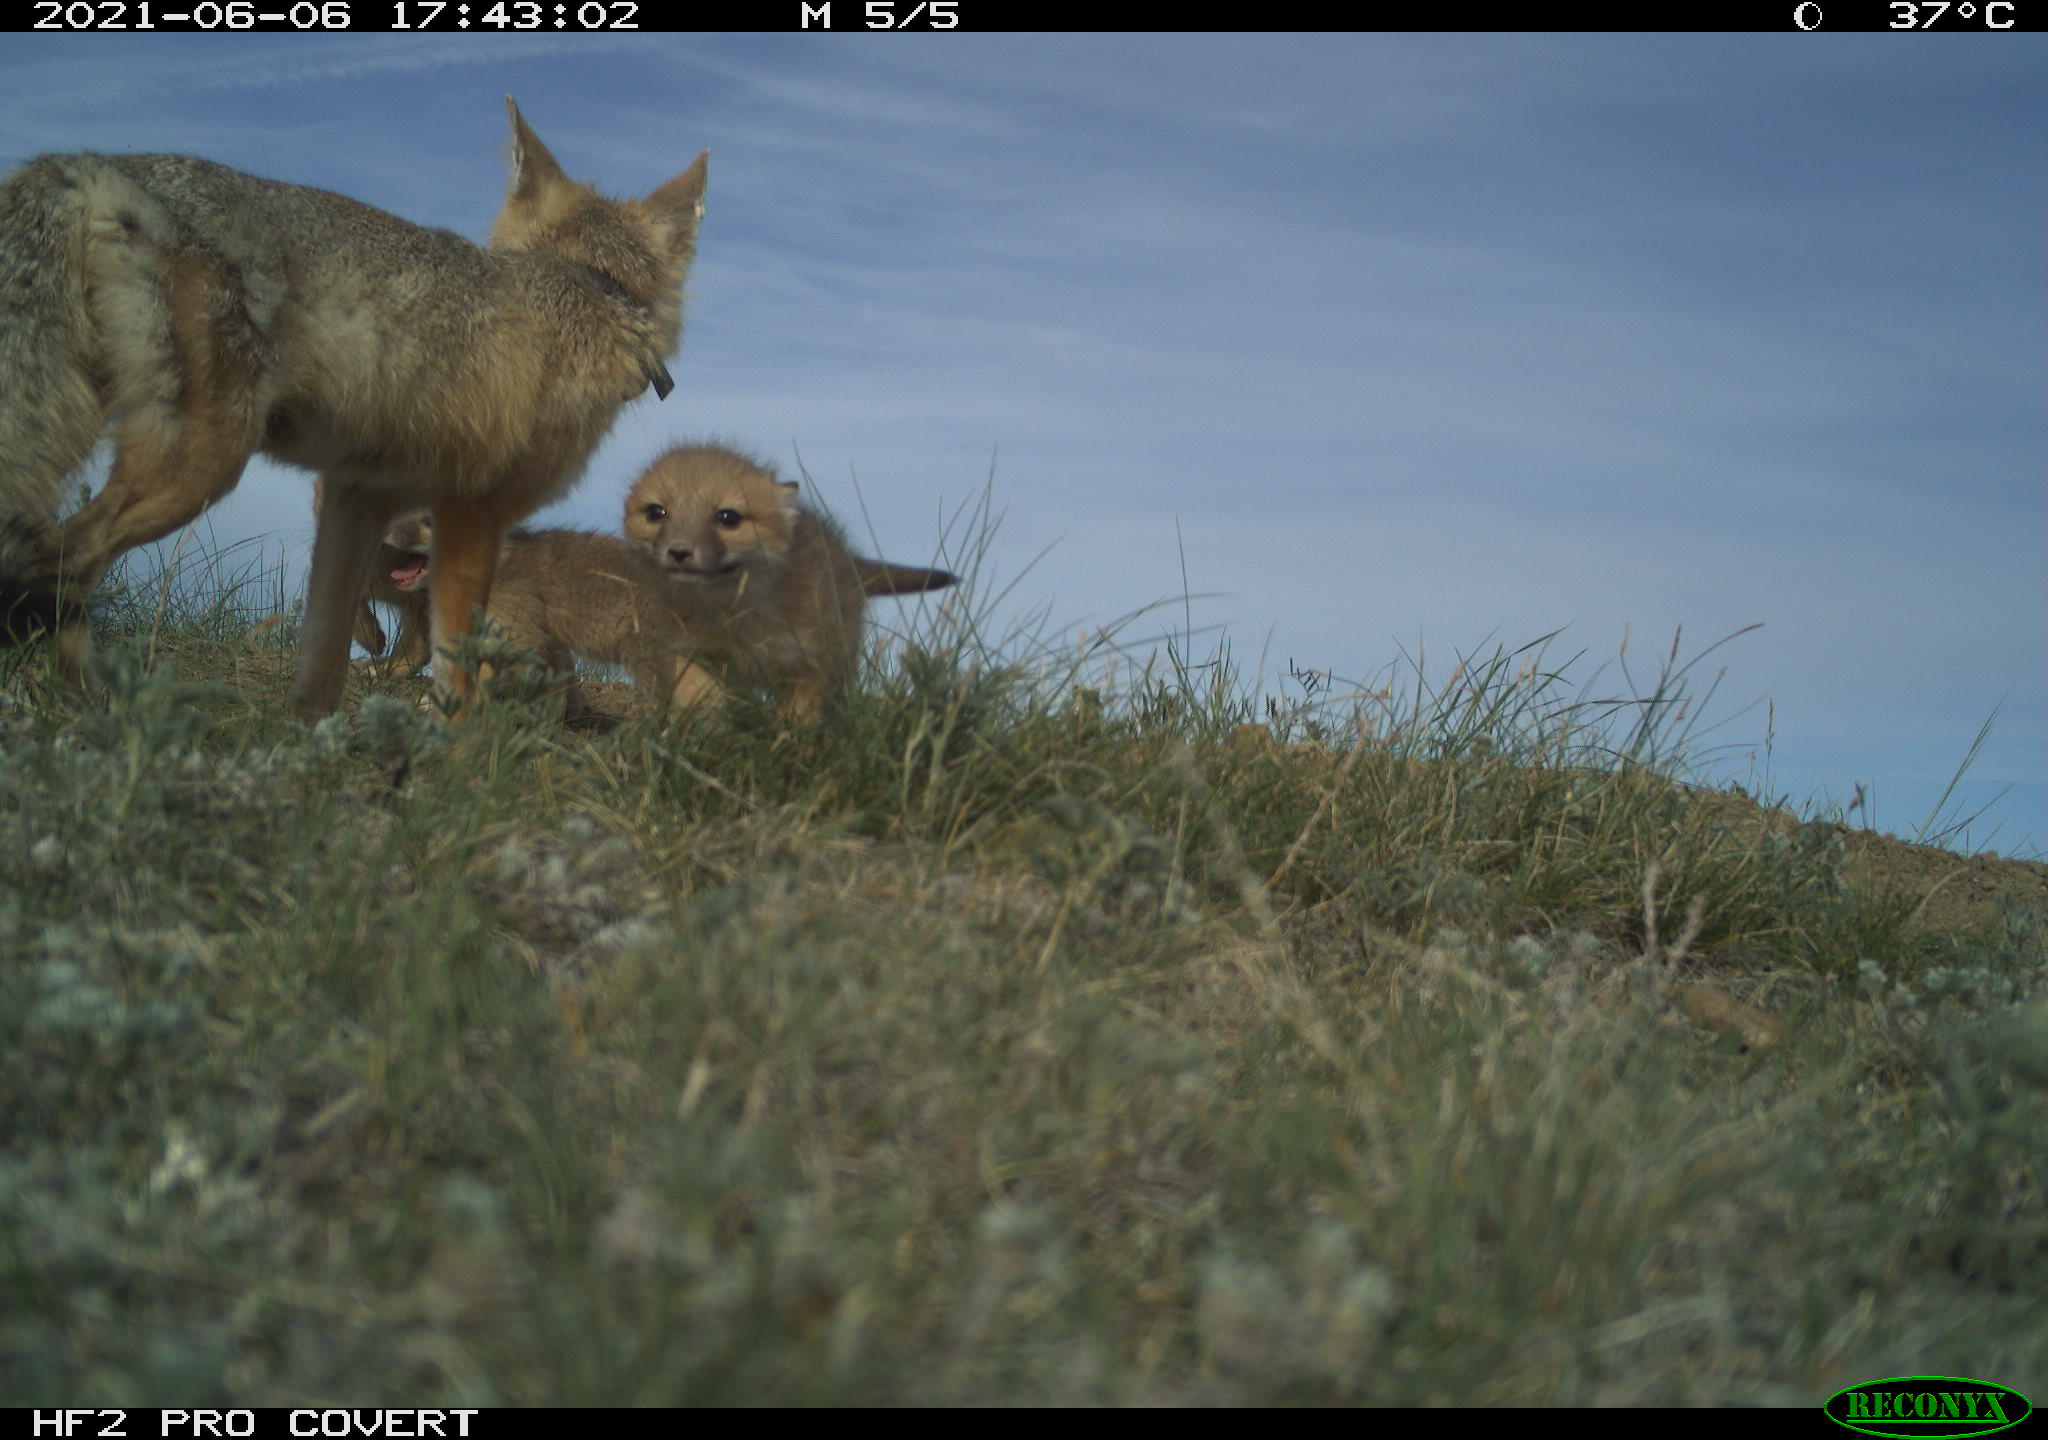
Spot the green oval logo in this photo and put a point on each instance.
(1910, 1407)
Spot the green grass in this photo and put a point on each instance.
(1040, 1032)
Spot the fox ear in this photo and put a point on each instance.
(785, 498)
(679, 205)
(533, 168)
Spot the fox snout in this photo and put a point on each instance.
(696, 560)
(694, 551)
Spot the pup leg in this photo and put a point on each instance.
(802, 693)
(523, 618)
(466, 540)
(560, 662)
(694, 685)
(575, 709)
(367, 631)
(804, 701)
(409, 652)
(352, 521)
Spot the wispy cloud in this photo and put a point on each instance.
(1413, 338)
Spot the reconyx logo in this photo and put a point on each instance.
(1913, 1406)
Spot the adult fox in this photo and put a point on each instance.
(212, 314)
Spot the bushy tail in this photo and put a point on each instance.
(879, 577)
(50, 409)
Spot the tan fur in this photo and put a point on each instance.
(785, 614)
(562, 593)
(214, 314)
(398, 578)
(767, 591)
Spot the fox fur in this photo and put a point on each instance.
(211, 314)
(767, 590)
(777, 607)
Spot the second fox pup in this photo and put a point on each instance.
(561, 593)
(779, 607)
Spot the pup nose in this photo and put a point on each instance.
(678, 554)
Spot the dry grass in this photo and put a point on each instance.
(1023, 1038)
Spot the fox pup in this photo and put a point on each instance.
(767, 592)
(561, 593)
(571, 593)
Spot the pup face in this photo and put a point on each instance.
(404, 554)
(710, 517)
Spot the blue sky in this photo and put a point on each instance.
(1376, 343)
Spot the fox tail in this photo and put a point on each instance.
(879, 577)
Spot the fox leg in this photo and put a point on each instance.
(174, 456)
(466, 540)
(367, 631)
(409, 652)
(694, 685)
(559, 661)
(802, 692)
(804, 700)
(351, 522)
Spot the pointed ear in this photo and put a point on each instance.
(785, 498)
(680, 204)
(533, 168)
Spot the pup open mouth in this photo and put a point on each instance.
(410, 572)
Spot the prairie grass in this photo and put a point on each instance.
(1045, 1030)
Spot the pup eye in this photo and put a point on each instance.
(655, 514)
(728, 519)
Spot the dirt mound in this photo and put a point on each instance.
(1953, 892)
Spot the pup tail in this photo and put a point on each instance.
(51, 411)
(879, 577)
